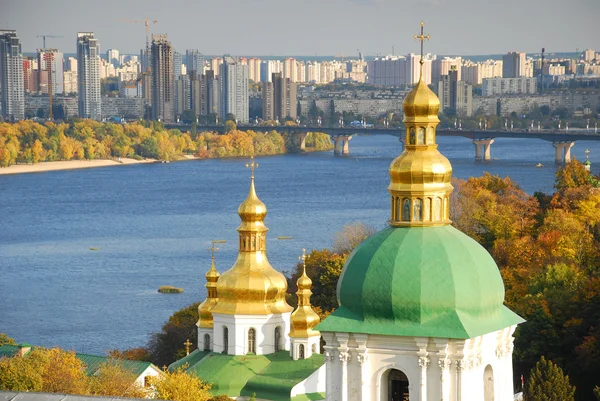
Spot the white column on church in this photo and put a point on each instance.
(424, 365)
(365, 384)
(444, 365)
(459, 368)
(329, 374)
(344, 356)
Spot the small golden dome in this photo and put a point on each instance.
(252, 286)
(420, 177)
(252, 211)
(205, 319)
(421, 103)
(304, 319)
(304, 282)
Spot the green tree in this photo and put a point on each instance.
(166, 346)
(188, 116)
(230, 126)
(548, 383)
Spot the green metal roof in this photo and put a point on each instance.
(7, 350)
(420, 281)
(193, 358)
(269, 376)
(93, 363)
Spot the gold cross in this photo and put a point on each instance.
(187, 344)
(303, 258)
(422, 37)
(252, 165)
(213, 248)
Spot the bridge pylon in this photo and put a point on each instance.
(342, 145)
(483, 149)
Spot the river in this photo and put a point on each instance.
(83, 252)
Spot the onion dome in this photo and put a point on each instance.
(420, 276)
(304, 318)
(204, 309)
(252, 286)
(420, 177)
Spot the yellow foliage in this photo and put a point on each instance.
(113, 380)
(180, 386)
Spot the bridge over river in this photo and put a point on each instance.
(562, 140)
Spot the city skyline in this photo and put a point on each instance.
(336, 27)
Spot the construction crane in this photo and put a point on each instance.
(146, 22)
(48, 36)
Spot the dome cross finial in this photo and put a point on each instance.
(422, 38)
(302, 258)
(213, 248)
(252, 165)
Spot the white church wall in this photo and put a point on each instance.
(239, 327)
(151, 371)
(358, 365)
(315, 383)
(202, 332)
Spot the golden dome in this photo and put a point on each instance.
(421, 103)
(420, 177)
(252, 286)
(304, 319)
(205, 319)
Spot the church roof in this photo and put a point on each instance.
(92, 362)
(420, 281)
(268, 376)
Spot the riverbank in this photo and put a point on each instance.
(68, 165)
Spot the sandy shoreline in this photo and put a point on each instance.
(67, 165)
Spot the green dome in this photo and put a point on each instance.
(420, 281)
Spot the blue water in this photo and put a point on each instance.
(152, 225)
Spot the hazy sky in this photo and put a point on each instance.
(313, 27)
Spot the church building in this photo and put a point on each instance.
(421, 311)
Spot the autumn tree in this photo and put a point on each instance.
(181, 386)
(350, 236)
(4, 339)
(112, 379)
(46, 370)
(548, 383)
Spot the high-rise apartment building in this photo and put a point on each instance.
(182, 95)
(112, 56)
(513, 65)
(279, 98)
(11, 76)
(441, 66)
(589, 55)
(233, 82)
(454, 94)
(388, 71)
(254, 69)
(88, 76)
(177, 64)
(30, 75)
(413, 68)
(50, 71)
(215, 64)
(268, 67)
(290, 71)
(194, 61)
(163, 90)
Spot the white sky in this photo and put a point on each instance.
(313, 27)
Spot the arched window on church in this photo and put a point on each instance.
(207, 342)
(406, 209)
(418, 210)
(397, 385)
(252, 341)
(314, 348)
(225, 340)
(277, 338)
(301, 351)
(488, 383)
